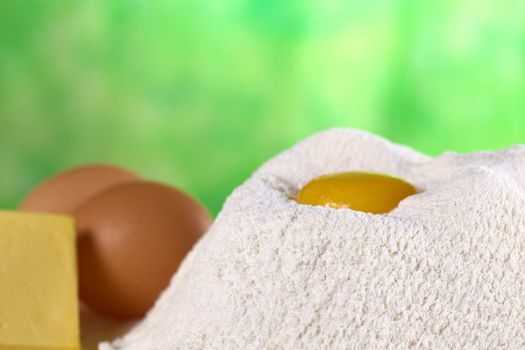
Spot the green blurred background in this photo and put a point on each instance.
(198, 93)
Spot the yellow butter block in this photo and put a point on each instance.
(38, 282)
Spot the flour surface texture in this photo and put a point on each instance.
(444, 270)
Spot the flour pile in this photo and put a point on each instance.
(444, 270)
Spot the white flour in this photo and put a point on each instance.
(445, 270)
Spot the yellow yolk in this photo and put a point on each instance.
(368, 192)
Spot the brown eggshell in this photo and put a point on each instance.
(67, 191)
(132, 239)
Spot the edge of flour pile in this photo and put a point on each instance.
(321, 153)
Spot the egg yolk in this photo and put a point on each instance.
(368, 192)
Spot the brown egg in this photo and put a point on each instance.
(132, 239)
(65, 192)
